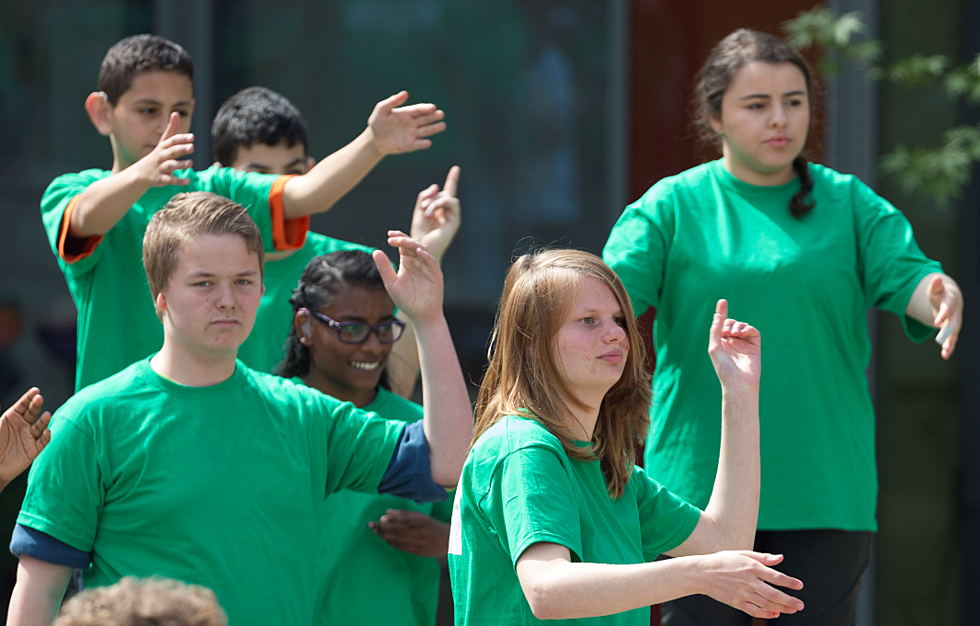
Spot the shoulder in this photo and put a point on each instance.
(688, 180)
(75, 180)
(108, 395)
(513, 433)
(392, 406)
(322, 244)
(846, 189)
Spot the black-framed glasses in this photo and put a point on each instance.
(358, 332)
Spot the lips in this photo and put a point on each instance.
(226, 323)
(612, 357)
(778, 141)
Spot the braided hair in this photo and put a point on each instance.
(729, 56)
(322, 279)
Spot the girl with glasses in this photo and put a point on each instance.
(376, 554)
(552, 519)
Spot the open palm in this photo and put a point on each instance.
(416, 289)
(23, 434)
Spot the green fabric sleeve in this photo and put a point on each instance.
(666, 521)
(638, 246)
(531, 500)
(890, 263)
(67, 487)
(55, 200)
(360, 445)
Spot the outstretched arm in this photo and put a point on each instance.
(23, 434)
(448, 418)
(435, 221)
(38, 593)
(391, 129)
(729, 520)
(105, 202)
(937, 301)
(556, 588)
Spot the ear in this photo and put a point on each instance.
(98, 108)
(715, 122)
(310, 162)
(304, 330)
(160, 304)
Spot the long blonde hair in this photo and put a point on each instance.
(522, 378)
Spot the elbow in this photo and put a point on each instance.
(541, 598)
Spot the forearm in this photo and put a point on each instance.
(105, 202)
(331, 178)
(38, 593)
(733, 508)
(920, 307)
(448, 415)
(403, 366)
(565, 590)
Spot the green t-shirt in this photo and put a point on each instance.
(519, 487)
(117, 324)
(365, 580)
(265, 347)
(806, 284)
(221, 486)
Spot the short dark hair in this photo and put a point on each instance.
(255, 115)
(137, 55)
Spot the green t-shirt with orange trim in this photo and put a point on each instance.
(117, 323)
(265, 347)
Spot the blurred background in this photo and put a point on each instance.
(560, 113)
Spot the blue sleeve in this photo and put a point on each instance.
(44, 547)
(409, 475)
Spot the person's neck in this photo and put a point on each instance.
(584, 418)
(359, 397)
(754, 177)
(191, 367)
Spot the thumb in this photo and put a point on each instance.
(171, 128)
(721, 312)
(391, 102)
(388, 275)
(936, 288)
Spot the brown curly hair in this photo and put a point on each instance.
(148, 602)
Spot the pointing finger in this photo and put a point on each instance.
(452, 181)
(171, 128)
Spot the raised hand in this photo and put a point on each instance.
(23, 434)
(413, 532)
(398, 129)
(947, 311)
(746, 581)
(436, 218)
(417, 287)
(157, 168)
(735, 348)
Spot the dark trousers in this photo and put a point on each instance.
(829, 562)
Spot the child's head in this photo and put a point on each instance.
(528, 371)
(134, 602)
(258, 130)
(143, 80)
(344, 326)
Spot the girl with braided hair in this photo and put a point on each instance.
(374, 546)
(802, 251)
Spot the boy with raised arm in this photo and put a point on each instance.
(95, 219)
(190, 465)
(259, 130)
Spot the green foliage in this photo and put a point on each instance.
(939, 172)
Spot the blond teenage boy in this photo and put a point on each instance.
(191, 466)
(95, 219)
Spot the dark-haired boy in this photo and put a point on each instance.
(95, 219)
(191, 466)
(259, 130)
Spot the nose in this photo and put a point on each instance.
(778, 119)
(226, 298)
(615, 333)
(372, 345)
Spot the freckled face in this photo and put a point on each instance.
(591, 346)
(140, 116)
(765, 116)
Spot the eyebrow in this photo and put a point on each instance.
(263, 166)
(766, 96)
(207, 274)
(184, 103)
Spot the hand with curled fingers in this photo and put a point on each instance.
(746, 581)
(735, 349)
(399, 129)
(157, 168)
(437, 214)
(413, 532)
(23, 434)
(416, 289)
(947, 311)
